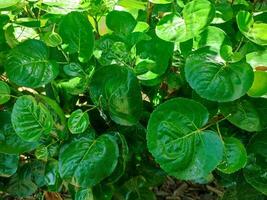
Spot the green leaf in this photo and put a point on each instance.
(78, 121)
(161, 1)
(254, 31)
(21, 184)
(84, 194)
(41, 153)
(8, 164)
(52, 39)
(9, 3)
(74, 69)
(235, 156)
(30, 119)
(120, 94)
(28, 65)
(197, 15)
(52, 177)
(84, 162)
(255, 170)
(258, 87)
(224, 12)
(178, 143)
(120, 22)
(247, 114)
(257, 59)
(77, 35)
(214, 79)
(10, 142)
(4, 92)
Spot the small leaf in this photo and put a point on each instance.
(4, 92)
(31, 120)
(177, 142)
(235, 156)
(41, 153)
(28, 64)
(84, 162)
(77, 35)
(78, 121)
(8, 164)
(120, 22)
(74, 69)
(52, 39)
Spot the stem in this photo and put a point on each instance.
(96, 27)
(212, 123)
(64, 54)
(150, 7)
(239, 44)
(9, 95)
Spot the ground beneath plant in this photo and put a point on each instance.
(173, 189)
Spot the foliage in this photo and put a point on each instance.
(103, 99)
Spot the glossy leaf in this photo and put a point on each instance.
(78, 121)
(120, 94)
(254, 172)
(196, 16)
(30, 119)
(4, 92)
(253, 30)
(178, 143)
(8, 164)
(28, 64)
(52, 177)
(77, 35)
(120, 22)
(85, 161)
(247, 114)
(10, 142)
(214, 79)
(73, 69)
(84, 194)
(235, 156)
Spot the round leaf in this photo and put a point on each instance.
(117, 90)
(254, 31)
(235, 156)
(4, 92)
(28, 65)
(258, 87)
(84, 162)
(178, 143)
(214, 79)
(8, 164)
(120, 22)
(257, 59)
(247, 114)
(78, 121)
(31, 120)
(77, 35)
(255, 170)
(197, 15)
(10, 142)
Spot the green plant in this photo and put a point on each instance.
(100, 103)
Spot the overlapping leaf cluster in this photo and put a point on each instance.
(104, 99)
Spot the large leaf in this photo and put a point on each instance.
(120, 22)
(197, 15)
(8, 164)
(30, 119)
(77, 34)
(216, 80)
(254, 31)
(117, 90)
(28, 64)
(4, 92)
(247, 114)
(178, 143)
(235, 156)
(85, 161)
(6, 4)
(10, 142)
(255, 170)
